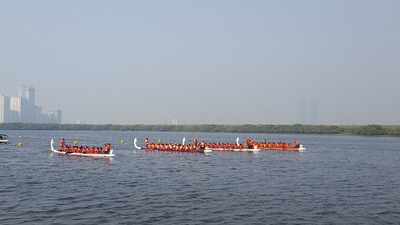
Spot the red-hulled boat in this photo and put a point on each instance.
(89, 151)
(280, 146)
(252, 146)
(249, 146)
(171, 147)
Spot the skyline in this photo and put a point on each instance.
(22, 108)
(224, 62)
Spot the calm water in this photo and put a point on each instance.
(338, 180)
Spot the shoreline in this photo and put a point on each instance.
(360, 130)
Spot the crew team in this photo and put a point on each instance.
(195, 146)
(106, 149)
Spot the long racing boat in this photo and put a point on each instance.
(229, 147)
(172, 147)
(108, 153)
(252, 146)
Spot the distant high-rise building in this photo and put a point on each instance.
(53, 116)
(31, 96)
(15, 109)
(308, 111)
(175, 122)
(28, 93)
(28, 112)
(4, 108)
(59, 116)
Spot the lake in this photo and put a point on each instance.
(337, 180)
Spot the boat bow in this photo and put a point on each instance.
(135, 144)
(52, 145)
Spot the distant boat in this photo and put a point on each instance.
(3, 139)
(252, 146)
(172, 147)
(79, 154)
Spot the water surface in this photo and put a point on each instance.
(338, 180)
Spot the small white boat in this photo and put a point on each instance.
(3, 139)
(79, 154)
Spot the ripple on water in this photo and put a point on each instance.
(339, 180)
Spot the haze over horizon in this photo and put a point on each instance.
(224, 62)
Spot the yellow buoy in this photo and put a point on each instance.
(19, 145)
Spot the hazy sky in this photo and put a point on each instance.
(206, 61)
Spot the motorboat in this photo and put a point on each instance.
(3, 139)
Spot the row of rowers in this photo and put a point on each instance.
(251, 144)
(279, 145)
(175, 147)
(84, 149)
(271, 145)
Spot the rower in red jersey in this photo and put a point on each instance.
(62, 143)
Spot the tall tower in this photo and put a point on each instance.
(308, 111)
(28, 93)
(28, 112)
(16, 108)
(31, 96)
(4, 109)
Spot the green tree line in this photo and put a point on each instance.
(367, 130)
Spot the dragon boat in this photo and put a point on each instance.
(253, 146)
(106, 151)
(250, 146)
(172, 147)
